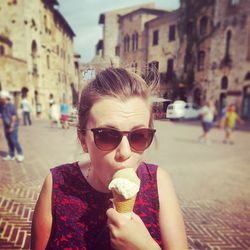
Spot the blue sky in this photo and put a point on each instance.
(83, 16)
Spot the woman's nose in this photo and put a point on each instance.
(123, 151)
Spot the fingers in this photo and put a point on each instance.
(113, 216)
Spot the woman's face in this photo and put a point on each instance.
(124, 116)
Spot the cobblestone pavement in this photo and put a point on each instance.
(212, 181)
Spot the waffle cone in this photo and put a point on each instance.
(123, 205)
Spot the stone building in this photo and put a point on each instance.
(107, 48)
(134, 39)
(36, 52)
(194, 52)
(162, 48)
(221, 55)
(229, 76)
(219, 59)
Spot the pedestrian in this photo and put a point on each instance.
(207, 114)
(221, 122)
(10, 123)
(230, 120)
(54, 115)
(74, 210)
(38, 109)
(64, 114)
(26, 109)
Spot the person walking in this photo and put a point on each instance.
(10, 123)
(54, 115)
(64, 108)
(74, 210)
(230, 120)
(207, 114)
(26, 109)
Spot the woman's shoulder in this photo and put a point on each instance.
(65, 166)
(65, 169)
(147, 171)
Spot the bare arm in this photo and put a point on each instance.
(171, 221)
(42, 218)
(240, 120)
(12, 123)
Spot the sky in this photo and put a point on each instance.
(83, 17)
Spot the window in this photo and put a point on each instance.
(153, 66)
(228, 40)
(135, 41)
(189, 28)
(48, 62)
(170, 68)
(155, 37)
(171, 34)
(33, 48)
(126, 41)
(234, 2)
(203, 26)
(201, 60)
(2, 50)
(45, 23)
(117, 50)
(134, 67)
(124, 44)
(187, 61)
(248, 54)
(34, 70)
(224, 83)
(247, 77)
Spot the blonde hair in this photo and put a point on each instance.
(117, 83)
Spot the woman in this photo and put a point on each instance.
(74, 209)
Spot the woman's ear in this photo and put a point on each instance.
(82, 139)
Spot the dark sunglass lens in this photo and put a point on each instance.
(107, 139)
(141, 139)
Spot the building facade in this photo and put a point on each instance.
(36, 53)
(133, 38)
(162, 49)
(108, 48)
(230, 56)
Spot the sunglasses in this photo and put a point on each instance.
(107, 139)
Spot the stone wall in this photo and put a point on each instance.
(43, 41)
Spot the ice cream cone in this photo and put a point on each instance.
(123, 205)
(125, 185)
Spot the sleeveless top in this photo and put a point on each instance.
(79, 211)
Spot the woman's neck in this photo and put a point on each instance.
(92, 178)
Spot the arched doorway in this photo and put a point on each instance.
(224, 83)
(223, 94)
(246, 103)
(74, 95)
(197, 96)
(222, 102)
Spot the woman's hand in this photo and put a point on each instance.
(129, 232)
(11, 128)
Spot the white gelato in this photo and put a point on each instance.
(124, 187)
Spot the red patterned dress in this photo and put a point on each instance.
(79, 211)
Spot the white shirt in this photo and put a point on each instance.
(207, 114)
(25, 105)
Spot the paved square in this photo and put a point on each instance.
(212, 181)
